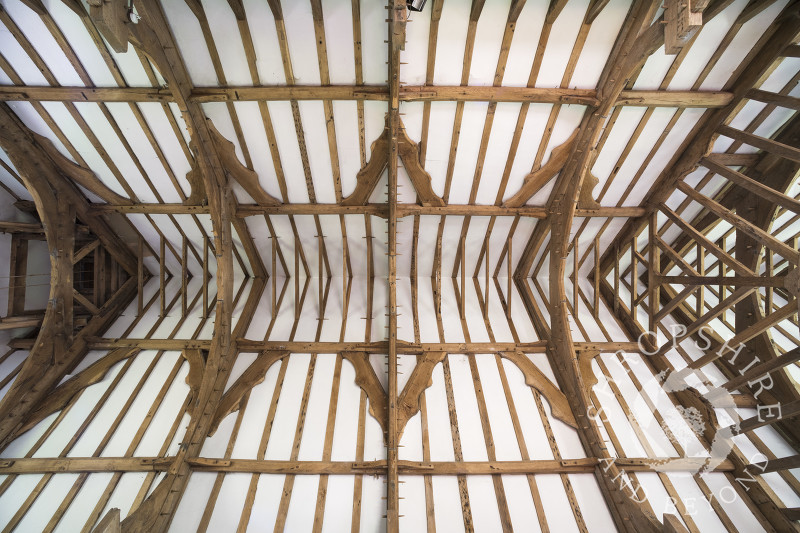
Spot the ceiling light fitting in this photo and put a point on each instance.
(415, 5)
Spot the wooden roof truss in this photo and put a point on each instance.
(217, 236)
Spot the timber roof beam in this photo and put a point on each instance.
(407, 93)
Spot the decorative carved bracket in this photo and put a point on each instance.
(82, 176)
(409, 398)
(537, 179)
(63, 394)
(369, 383)
(255, 374)
(535, 378)
(197, 363)
(368, 177)
(245, 177)
(585, 366)
(585, 199)
(198, 188)
(232, 167)
(418, 382)
(420, 379)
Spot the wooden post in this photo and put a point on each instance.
(344, 277)
(462, 260)
(722, 267)
(319, 277)
(140, 277)
(508, 265)
(597, 276)
(634, 278)
(653, 273)
(205, 276)
(17, 273)
(296, 278)
(184, 276)
(162, 277)
(396, 42)
(616, 278)
(274, 276)
(575, 287)
(486, 279)
(701, 269)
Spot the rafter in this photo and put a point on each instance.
(58, 202)
(700, 143)
(153, 36)
(635, 43)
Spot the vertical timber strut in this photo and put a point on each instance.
(397, 35)
(631, 50)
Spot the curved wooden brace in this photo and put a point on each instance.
(637, 40)
(585, 358)
(82, 176)
(154, 36)
(537, 179)
(245, 177)
(419, 380)
(197, 196)
(57, 201)
(369, 383)
(232, 399)
(409, 154)
(197, 363)
(61, 396)
(535, 378)
(586, 199)
(368, 177)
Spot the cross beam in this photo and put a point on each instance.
(58, 202)
(407, 93)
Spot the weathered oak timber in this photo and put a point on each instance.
(419, 380)
(397, 14)
(39, 374)
(408, 151)
(23, 321)
(406, 468)
(408, 93)
(713, 163)
(769, 145)
(61, 395)
(34, 155)
(534, 181)
(776, 173)
(252, 376)
(700, 144)
(635, 43)
(535, 378)
(367, 379)
(20, 227)
(256, 346)
(54, 353)
(153, 36)
(380, 210)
